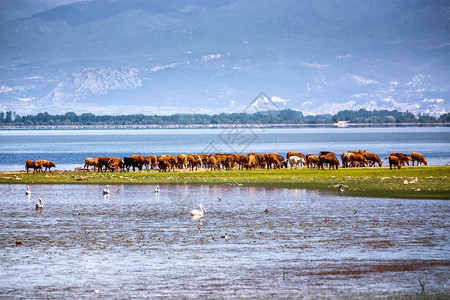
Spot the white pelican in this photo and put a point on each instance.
(106, 191)
(28, 192)
(341, 188)
(198, 213)
(157, 189)
(40, 205)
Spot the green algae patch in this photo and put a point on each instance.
(408, 182)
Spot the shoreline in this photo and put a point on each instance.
(430, 182)
(216, 126)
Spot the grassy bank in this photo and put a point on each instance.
(413, 182)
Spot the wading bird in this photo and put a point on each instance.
(28, 192)
(157, 189)
(106, 191)
(40, 205)
(225, 237)
(198, 213)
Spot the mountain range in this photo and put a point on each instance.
(200, 56)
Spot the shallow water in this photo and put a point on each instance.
(136, 243)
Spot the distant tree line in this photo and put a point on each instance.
(286, 116)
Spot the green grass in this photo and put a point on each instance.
(423, 182)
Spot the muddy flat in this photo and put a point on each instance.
(280, 243)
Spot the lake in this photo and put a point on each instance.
(136, 244)
(68, 148)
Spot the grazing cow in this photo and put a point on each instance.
(296, 161)
(213, 162)
(194, 161)
(164, 163)
(261, 162)
(372, 158)
(114, 163)
(204, 159)
(357, 160)
(330, 159)
(153, 161)
(182, 161)
(402, 157)
(242, 160)
(35, 165)
(301, 155)
(272, 159)
(252, 162)
(142, 160)
(102, 161)
(312, 161)
(90, 162)
(129, 162)
(419, 158)
(394, 161)
(230, 161)
(47, 164)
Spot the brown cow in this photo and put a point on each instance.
(182, 161)
(114, 163)
(372, 158)
(47, 164)
(102, 161)
(213, 162)
(272, 159)
(36, 165)
(419, 158)
(312, 161)
(153, 161)
(164, 163)
(242, 160)
(261, 162)
(357, 160)
(142, 160)
(252, 162)
(330, 159)
(90, 162)
(194, 161)
(230, 161)
(402, 157)
(394, 161)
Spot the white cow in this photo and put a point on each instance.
(296, 161)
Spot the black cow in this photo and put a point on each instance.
(131, 162)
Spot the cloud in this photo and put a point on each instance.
(313, 65)
(348, 55)
(26, 99)
(363, 81)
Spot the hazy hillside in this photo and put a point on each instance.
(162, 57)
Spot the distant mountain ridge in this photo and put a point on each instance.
(165, 57)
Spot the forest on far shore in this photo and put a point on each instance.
(286, 116)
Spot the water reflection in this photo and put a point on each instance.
(147, 241)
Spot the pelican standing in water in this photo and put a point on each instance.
(157, 189)
(40, 205)
(198, 213)
(106, 191)
(28, 192)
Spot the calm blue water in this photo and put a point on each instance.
(68, 148)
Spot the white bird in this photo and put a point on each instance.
(157, 189)
(28, 192)
(198, 213)
(225, 237)
(40, 205)
(341, 188)
(106, 191)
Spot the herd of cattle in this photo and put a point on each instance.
(192, 162)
